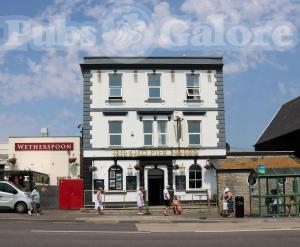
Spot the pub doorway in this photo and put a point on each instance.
(155, 186)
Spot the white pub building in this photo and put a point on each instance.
(152, 122)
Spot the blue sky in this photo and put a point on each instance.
(40, 79)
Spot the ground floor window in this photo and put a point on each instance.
(115, 178)
(180, 183)
(195, 177)
(131, 183)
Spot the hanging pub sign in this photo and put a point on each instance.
(49, 146)
(261, 169)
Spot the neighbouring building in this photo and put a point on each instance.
(152, 122)
(46, 158)
(283, 132)
(240, 173)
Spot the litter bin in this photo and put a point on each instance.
(239, 206)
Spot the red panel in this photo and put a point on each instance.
(70, 193)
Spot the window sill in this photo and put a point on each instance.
(196, 191)
(115, 192)
(154, 100)
(115, 147)
(193, 101)
(115, 101)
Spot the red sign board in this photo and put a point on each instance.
(48, 146)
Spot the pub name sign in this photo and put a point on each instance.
(155, 152)
(49, 146)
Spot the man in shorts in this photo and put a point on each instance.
(167, 200)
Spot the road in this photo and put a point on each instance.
(78, 233)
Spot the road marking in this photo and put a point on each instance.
(75, 231)
(249, 230)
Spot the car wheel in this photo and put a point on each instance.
(21, 207)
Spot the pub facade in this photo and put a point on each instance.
(152, 122)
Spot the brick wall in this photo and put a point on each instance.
(237, 182)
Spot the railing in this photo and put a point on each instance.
(123, 199)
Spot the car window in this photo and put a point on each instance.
(9, 189)
(2, 187)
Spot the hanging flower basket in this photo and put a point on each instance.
(176, 167)
(93, 168)
(72, 159)
(139, 166)
(12, 161)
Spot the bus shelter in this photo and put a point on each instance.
(274, 192)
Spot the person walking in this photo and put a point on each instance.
(140, 200)
(224, 212)
(35, 201)
(229, 199)
(99, 201)
(167, 200)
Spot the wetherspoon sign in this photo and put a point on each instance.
(49, 146)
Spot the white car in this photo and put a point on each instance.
(14, 197)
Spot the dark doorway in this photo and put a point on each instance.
(155, 186)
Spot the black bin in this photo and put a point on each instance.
(239, 206)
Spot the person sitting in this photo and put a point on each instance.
(176, 206)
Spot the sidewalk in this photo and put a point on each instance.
(76, 215)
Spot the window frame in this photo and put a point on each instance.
(192, 96)
(194, 133)
(154, 86)
(110, 87)
(115, 134)
(195, 179)
(148, 133)
(178, 182)
(162, 133)
(131, 178)
(112, 179)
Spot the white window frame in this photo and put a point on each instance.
(194, 180)
(195, 94)
(115, 134)
(115, 87)
(153, 87)
(162, 133)
(148, 133)
(194, 133)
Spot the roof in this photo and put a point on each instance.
(286, 120)
(252, 162)
(152, 62)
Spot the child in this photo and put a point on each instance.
(176, 206)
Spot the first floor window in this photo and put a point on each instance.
(193, 87)
(115, 178)
(115, 133)
(115, 86)
(162, 133)
(195, 177)
(148, 133)
(194, 132)
(180, 182)
(154, 85)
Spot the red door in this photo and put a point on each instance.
(70, 193)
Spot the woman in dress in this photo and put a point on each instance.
(140, 200)
(98, 201)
